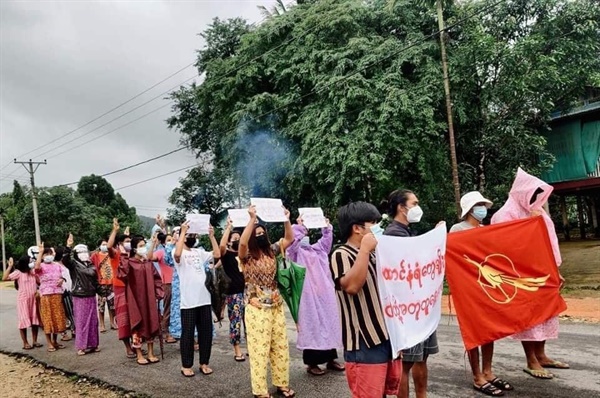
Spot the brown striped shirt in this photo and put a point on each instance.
(361, 313)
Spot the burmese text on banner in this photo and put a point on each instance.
(410, 279)
(503, 279)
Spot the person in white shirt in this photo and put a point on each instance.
(193, 265)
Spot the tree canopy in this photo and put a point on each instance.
(333, 101)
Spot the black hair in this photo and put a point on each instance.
(104, 239)
(535, 195)
(398, 197)
(162, 238)
(23, 264)
(47, 250)
(134, 242)
(59, 250)
(235, 231)
(120, 239)
(356, 213)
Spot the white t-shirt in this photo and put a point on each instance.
(191, 269)
(67, 285)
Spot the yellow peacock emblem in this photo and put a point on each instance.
(500, 286)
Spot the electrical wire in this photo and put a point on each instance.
(154, 178)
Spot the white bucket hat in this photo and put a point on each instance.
(470, 199)
(33, 251)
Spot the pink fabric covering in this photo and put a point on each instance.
(318, 317)
(50, 275)
(374, 380)
(517, 207)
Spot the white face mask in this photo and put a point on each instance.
(103, 248)
(414, 214)
(48, 259)
(83, 256)
(31, 265)
(305, 241)
(142, 251)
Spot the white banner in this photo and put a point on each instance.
(269, 210)
(199, 223)
(410, 279)
(239, 217)
(312, 217)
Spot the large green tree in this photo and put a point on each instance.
(352, 93)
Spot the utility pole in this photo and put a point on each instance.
(29, 166)
(3, 247)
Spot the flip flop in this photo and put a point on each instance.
(131, 356)
(27, 347)
(489, 389)
(37, 345)
(144, 362)
(286, 392)
(188, 374)
(315, 371)
(95, 349)
(501, 384)
(81, 353)
(338, 367)
(239, 358)
(60, 346)
(556, 365)
(66, 338)
(539, 374)
(171, 341)
(103, 331)
(153, 360)
(51, 349)
(206, 372)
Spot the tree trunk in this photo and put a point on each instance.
(454, 162)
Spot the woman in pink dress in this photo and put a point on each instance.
(26, 306)
(526, 198)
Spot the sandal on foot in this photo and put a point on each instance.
(27, 347)
(81, 353)
(142, 361)
(59, 346)
(206, 371)
(263, 396)
(131, 355)
(153, 360)
(556, 365)
(188, 373)
(239, 358)
(37, 345)
(501, 384)
(489, 389)
(66, 338)
(539, 374)
(51, 349)
(315, 371)
(334, 365)
(102, 330)
(171, 340)
(286, 392)
(95, 349)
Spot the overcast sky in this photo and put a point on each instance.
(63, 63)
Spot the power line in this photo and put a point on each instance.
(154, 178)
(132, 166)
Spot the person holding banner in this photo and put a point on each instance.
(403, 207)
(371, 370)
(192, 265)
(526, 198)
(319, 331)
(265, 317)
(474, 209)
(230, 242)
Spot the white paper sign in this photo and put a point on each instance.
(312, 217)
(199, 223)
(269, 210)
(239, 217)
(410, 279)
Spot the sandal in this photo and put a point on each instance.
(95, 349)
(286, 392)
(263, 396)
(489, 389)
(59, 346)
(188, 373)
(131, 356)
(171, 340)
(27, 347)
(51, 349)
(501, 384)
(37, 345)
(556, 365)
(102, 330)
(539, 374)
(66, 338)
(142, 361)
(153, 360)
(239, 358)
(81, 353)
(334, 365)
(206, 370)
(315, 371)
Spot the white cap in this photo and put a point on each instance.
(470, 199)
(80, 248)
(33, 251)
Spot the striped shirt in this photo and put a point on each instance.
(361, 313)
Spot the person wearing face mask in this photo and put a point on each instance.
(474, 209)
(143, 291)
(230, 242)
(52, 310)
(527, 198)
(166, 273)
(264, 313)
(119, 245)
(67, 299)
(106, 296)
(85, 284)
(33, 252)
(370, 369)
(403, 207)
(27, 314)
(319, 329)
(193, 267)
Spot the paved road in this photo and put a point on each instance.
(449, 376)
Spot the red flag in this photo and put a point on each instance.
(503, 279)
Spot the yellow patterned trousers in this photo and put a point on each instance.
(267, 342)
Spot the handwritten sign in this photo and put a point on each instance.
(410, 278)
(312, 217)
(269, 210)
(199, 223)
(239, 217)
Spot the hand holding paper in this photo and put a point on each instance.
(239, 217)
(270, 210)
(312, 217)
(198, 223)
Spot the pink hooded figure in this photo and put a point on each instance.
(527, 197)
(319, 326)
